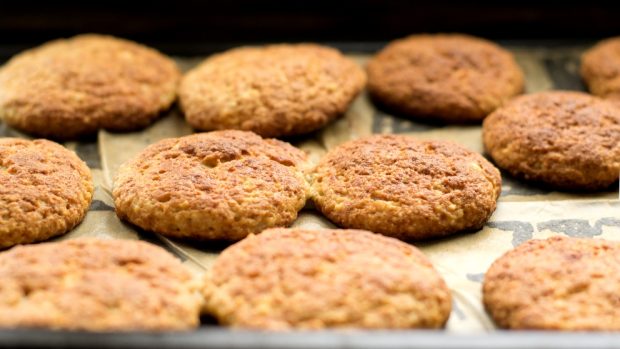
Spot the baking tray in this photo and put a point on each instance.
(547, 65)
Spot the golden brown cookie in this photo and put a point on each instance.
(567, 140)
(96, 285)
(274, 90)
(446, 77)
(303, 279)
(45, 190)
(600, 69)
(556, 284)
(405, 188)
(217, 185)
(72, 87)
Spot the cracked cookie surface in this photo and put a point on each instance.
(96, 285)
(274, 90)
(559, 283)
(69, 88)
(447, 77)
(405, 188)
(217, 185)
(286, 279)
(567, 140)
(45, 190)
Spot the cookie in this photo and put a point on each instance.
(288, 279)
(405, 188)
(45, 190)
(556, 284)
(217, 185)
(96, 285)
(274, 90)
(600, 69)
(72, 87)
(565, 140)
(449, 78)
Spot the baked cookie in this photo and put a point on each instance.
(72, 87)
(556, 284)
(45, 190)
(405, 188)
(445, 77)
(218, 185)
(96, 285)
(600, 69)
(567, 140)
(303, 279)
(274, 90)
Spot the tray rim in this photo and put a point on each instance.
(241, 339)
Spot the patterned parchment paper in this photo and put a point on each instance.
(524, 212)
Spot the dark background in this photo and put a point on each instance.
(197, 27)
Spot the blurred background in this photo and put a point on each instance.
(197, 27)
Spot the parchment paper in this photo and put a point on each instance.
(524, 211)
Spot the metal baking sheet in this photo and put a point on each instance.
(524, 212)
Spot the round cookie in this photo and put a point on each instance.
(274, 90)
(600, 69)
(71, 87)
(45, 190)
(405, 188)
(96, 285)
(303, 279)
(556, 284)
(446, 77)
(217, 185)
(567, 140)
